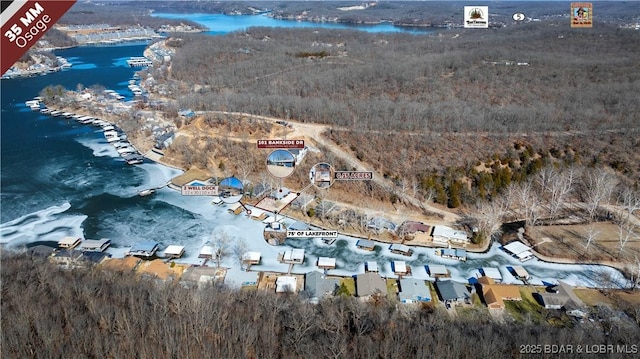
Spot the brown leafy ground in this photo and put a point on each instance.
(568, 241)
(616, 298)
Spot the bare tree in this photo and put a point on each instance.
(626, 231)
(629, 200)
(558, 188)
(599, 185)
(528, 201)
(591, 235)
(220, 241)
(490, 216)
(239, 251)
(634, 274)
(628, 223)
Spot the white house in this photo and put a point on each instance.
(446, 235)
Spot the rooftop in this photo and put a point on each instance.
(493, 273)
(370, 283)
(412, 289)
(147, 246)
(286, 284)
(191, 175)
(447, 232)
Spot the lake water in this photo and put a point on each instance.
(222, 24)
(60, 178)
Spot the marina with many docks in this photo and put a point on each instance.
(112, 133)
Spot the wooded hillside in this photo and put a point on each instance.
(48, 312)
(566, 80)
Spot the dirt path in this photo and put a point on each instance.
(314, 131)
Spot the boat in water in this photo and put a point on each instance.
(147, 192)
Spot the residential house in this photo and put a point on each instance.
(95, 257)
(319, 285)
(444, 235)
(561, 296)
(66, 257)
(413, 290)
(40, 251)
(380, 223)
(453, 292)
(369, 284)
(495, 294)
(415, 230)
(165, 140)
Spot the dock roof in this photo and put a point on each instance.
(520, 271)
(326, 262)
(365, 243)
(174, 250)
(145, 246)
(399, 267)
(516, 247)
(207, 250)
(493, 273)
(251, 256)
(400, 248)
(437, 269)
(296, 254)
(372, 266)
(68, 241)
(91, 244)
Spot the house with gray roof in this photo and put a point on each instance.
(369, 284)
(561, 296)
(318, 285)
(413, 290)
(453, 292)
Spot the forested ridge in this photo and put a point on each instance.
(49, 312)
(572, 80)
(117, 14)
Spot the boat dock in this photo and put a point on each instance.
(139, 62)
